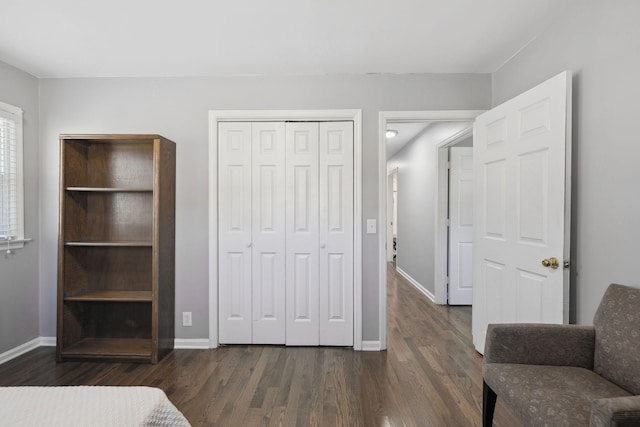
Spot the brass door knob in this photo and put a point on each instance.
(551, 262)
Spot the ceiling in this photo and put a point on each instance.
(128, 38)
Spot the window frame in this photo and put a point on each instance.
(12, 112)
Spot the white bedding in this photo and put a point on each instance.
(87, 406)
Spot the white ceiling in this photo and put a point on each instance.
(75, 38)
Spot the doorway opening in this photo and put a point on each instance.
(452, 276)
(417, 264)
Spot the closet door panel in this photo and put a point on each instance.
(286, 233)
(268, 230)
(336, 233)
(302, 225)
(234, 230)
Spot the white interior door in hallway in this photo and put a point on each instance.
(461, 226)
(285, 233)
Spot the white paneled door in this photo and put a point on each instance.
(522, 209)
(235, 234)
(268, 233)
(336, 233)
(461, 226)
(294, 258)
(303, 231)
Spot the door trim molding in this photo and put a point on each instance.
(399, 117)
(216, 116)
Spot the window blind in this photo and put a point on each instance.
(9, 226)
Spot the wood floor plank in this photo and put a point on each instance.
(430, 375)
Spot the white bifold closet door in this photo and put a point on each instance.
(251, 233)
(286, 233)
(319, 226)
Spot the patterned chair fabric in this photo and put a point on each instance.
(617, 324)
(569, 375)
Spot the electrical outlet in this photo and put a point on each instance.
(186, 318)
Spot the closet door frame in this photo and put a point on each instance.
(216, 117)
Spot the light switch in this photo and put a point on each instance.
(371, 226)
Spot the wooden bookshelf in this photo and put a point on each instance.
(111, 189)
(134, 349)
(111, 295)
(104, 243)
(116, 249)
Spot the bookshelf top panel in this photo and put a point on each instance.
(114, 138)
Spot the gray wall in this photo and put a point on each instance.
(417, 169)
(177, 109)
(600, 43)
(19, 299)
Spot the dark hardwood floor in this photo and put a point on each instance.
(430, 376)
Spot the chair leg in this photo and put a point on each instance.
(488, 405)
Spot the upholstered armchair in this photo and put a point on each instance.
(569, 375)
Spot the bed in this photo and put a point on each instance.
(87, 406)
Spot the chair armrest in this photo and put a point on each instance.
(615, 412)
(540, 344)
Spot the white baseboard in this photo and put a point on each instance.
(20, 350)
(179, 344)
(416, 285)
(191, 343)
(371, 346)
(48, 341)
